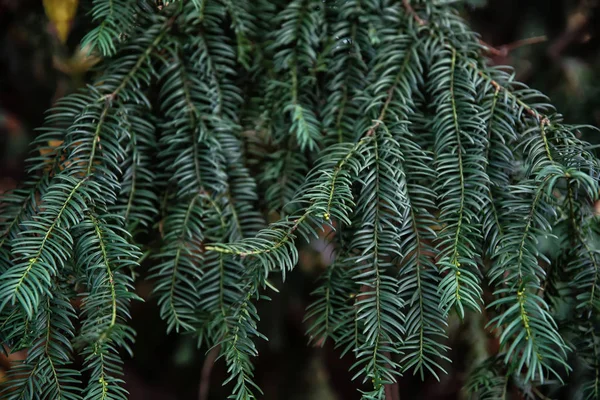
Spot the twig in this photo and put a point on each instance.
(411, 11)
(504, 50)
(544, 120)
(209, 362)
(391, 390)
(390, 94)
(576, 30)
(526, 42)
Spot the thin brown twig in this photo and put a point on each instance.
(526, 42)
(577, 29)
(209, 362)
(411, 11)
(544, 120)
(505, 49)
(392, 391)
(388, 100)
(373, 128)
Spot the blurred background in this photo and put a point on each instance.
(554, 46)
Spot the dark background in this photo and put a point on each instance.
(560, 56)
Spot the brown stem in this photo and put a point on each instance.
(502, 51)
(373, 128)
(526, 42)
(544, 120)
(577, 29)
(411, 11)
(391, 390)
(207, 367)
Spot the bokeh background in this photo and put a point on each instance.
(553, 45)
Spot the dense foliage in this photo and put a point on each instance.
(218, 135)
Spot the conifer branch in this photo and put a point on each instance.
(377, 121)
